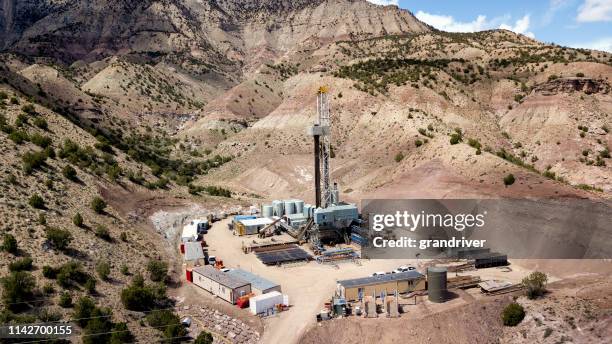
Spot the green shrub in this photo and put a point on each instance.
(125, 270)
(69, 173)
(23, 264)
(71, 274)
(121, 334)
(123, 236)
(418, 143)
(141, 297)
(103, 269)
(37, 202)
(535, 284)
(49, 272)
(77, 220)
(40, 140)
(41, 123)
(58, 238)
(33, 160)
(90, 285)
(204, 338)
(455, 138)
(19, 136)
(548, 332)
(399, 157)
(21, 120)
(48, 289)
(474, 143)
(29, 109)
(65, 300)
(98, 205)
(509, 180)
(513, 314)
(102, 233)
(9, 244)
(18, 287)
(83, 310)
(158, 270)
(167, 322)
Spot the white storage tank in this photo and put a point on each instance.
(262, 303)
(278, 208)
(267, 211)
(306, 211)
(289, 207)
(299, 206)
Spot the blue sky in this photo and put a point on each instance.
(575, 23)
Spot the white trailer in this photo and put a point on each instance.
(190, 233)
(262, 303)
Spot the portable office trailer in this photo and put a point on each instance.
(404, 282)
(259, 285)
(194, 254)
(263, 303)
(190, 233)
(251, 226)
(220, 284)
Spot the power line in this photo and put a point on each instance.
(110, 332)
(96, 317)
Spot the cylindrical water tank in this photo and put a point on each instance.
(436, 284)
(306, 211)
(299, 206)
(289, 207)
(278, 208)
(267, 211)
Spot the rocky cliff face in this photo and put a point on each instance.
(89, 30)
(567, 85)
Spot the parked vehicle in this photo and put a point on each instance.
(404, 268)
(379, 273)
(186, 321)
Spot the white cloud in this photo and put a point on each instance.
(603, 44)
(385, 2)
(595, 10)
(520, 26)
(553, 7)
(448, 23)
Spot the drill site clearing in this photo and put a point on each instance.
(406, 242)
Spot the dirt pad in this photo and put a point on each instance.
(475, 323)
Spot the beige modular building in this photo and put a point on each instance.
(220, 284)
(404, 282)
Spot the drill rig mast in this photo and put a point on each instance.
(325, 122)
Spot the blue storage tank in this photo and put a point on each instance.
(243, 217)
